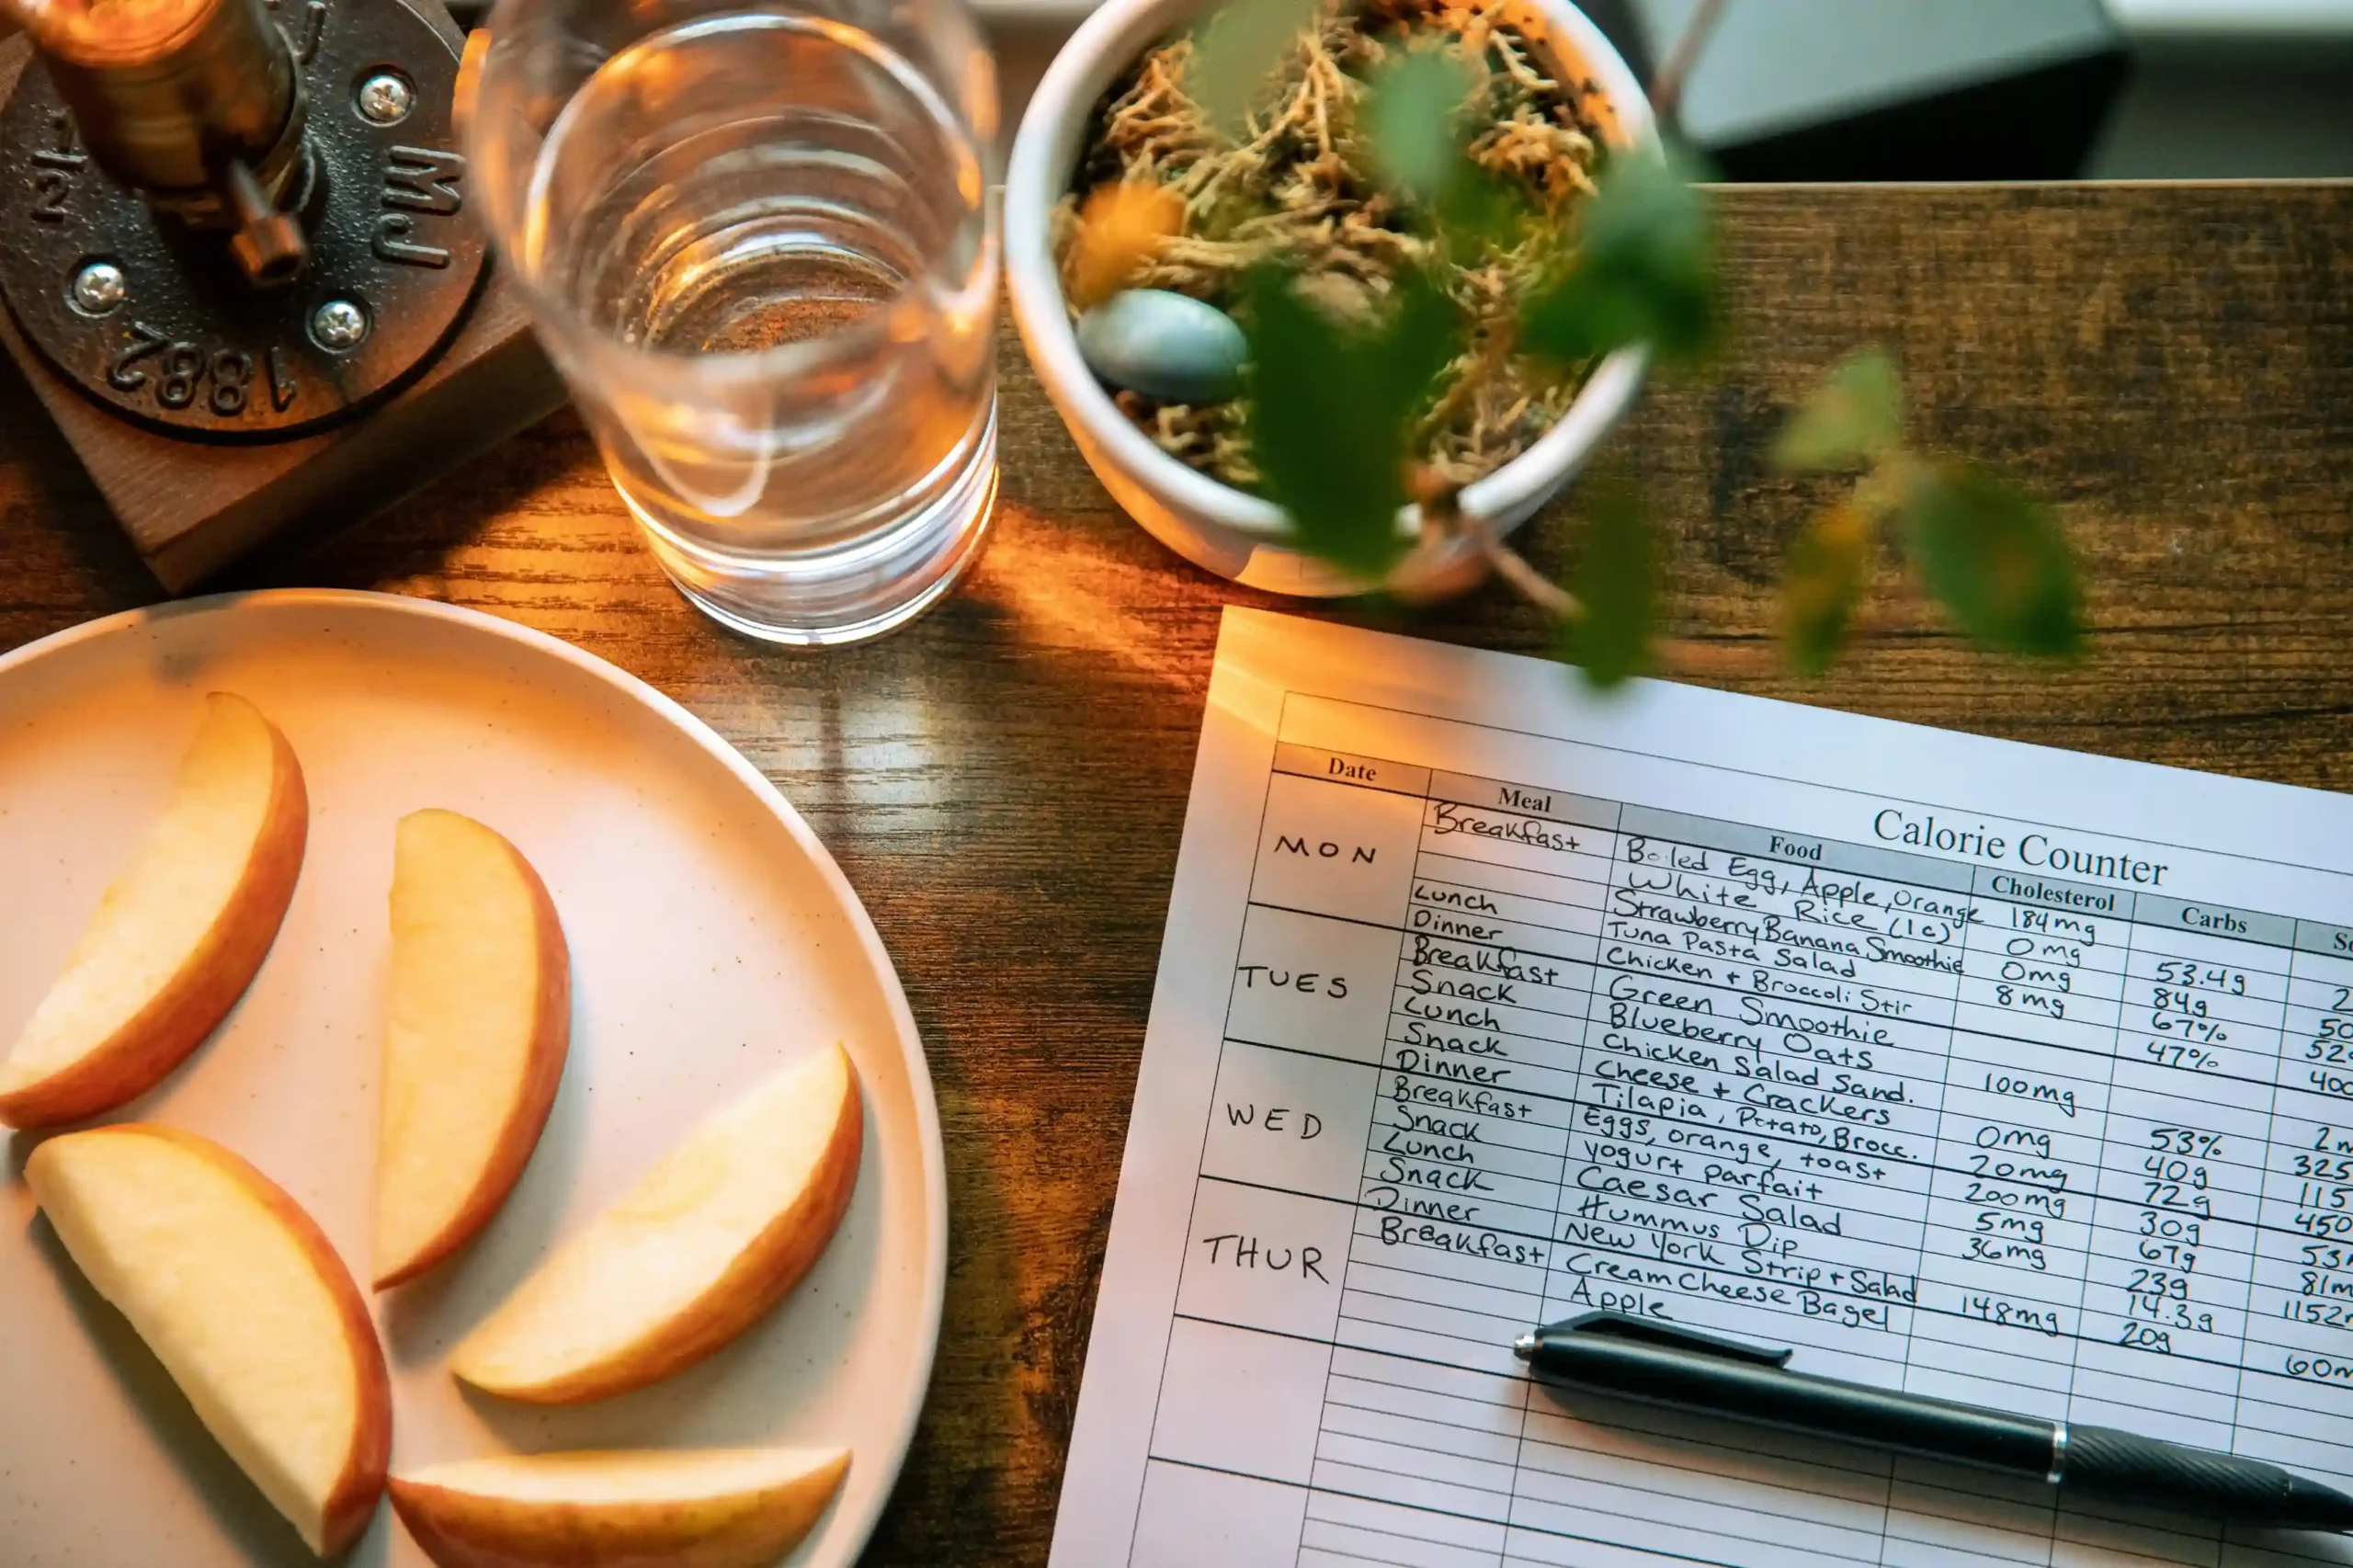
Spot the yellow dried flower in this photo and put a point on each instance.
(1121, 228)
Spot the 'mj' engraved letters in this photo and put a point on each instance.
(417, 179)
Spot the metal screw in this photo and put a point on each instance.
(339, 324)
(98, 288)
(385, 98)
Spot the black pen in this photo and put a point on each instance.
(1644, 1359)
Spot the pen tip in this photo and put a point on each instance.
(2310, 1505)
(1525, 1347)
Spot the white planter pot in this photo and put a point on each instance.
(1216, 527)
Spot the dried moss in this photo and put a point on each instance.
(1294, 184)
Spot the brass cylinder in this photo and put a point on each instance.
(167, 94)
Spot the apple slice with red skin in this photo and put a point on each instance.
(178, 936)
(685, 1509)
(476, 1036)
(245, 1303)
(690, 1256)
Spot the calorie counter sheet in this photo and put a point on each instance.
(1989, 1071)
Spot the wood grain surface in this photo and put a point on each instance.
(1005, 783)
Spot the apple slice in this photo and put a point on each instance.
(713, 1508)
(245, 1303)
(475, 1039)
(178, 936)
(708, 1240)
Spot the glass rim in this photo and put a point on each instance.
(511, 234)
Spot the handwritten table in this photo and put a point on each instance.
(1005, 783)
(1995, 1135)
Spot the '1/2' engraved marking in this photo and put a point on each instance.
(61, 154)
(55, 166)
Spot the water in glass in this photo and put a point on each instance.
(760, 246)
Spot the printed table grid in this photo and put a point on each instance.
(2018, 1139)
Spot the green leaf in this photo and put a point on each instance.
(1413, 119)
(1994, 558)
(1820, 583)
(1643, 267)
(1421, 336)
(1481, 212)
(1613, 582)
(1854, 416)
(1332, 412)
(1236, 50)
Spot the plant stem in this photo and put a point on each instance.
(1513, 568)
(1679, 656)
(1666, 87)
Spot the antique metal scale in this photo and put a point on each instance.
(233, 238)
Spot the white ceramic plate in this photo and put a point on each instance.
(713, 941)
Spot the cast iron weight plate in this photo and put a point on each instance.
(190, 348)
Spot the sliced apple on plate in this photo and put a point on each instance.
(178, 936)
(245, 1303)
(706, 1242)
(709, 1508)
(474, 1041)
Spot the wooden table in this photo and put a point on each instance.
(1005, 783)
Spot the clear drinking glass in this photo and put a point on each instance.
(756, 241)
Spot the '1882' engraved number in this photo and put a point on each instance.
(232, 372)
(180, 369)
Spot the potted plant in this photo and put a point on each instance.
(1212, 522)
(1332, 296)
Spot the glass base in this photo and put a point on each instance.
(850, 593)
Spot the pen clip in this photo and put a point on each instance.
(1651, 1331)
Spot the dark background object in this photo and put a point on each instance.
(2040, 123)
(2118, 89)
(2259, 104)
(1793, 90)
